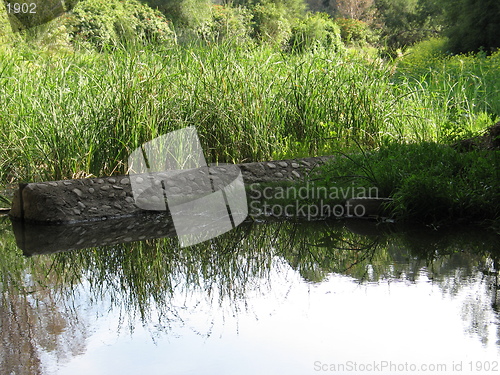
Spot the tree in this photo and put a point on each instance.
(270, 23)
(101, 24)
(272, 19)
(356, 9)
(405, 22)
(473, 25)
(317, 30)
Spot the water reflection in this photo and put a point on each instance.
(50, 300)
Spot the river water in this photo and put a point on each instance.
(335, 297)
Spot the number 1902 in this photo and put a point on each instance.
(21, 8)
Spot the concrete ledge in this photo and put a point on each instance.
(97, 199)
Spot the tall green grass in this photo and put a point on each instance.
(461, 92)
(74, 114)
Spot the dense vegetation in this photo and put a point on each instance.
(259, 79)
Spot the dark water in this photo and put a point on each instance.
(338, 297)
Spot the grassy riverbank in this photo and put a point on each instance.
(75, 114)
(430, 183)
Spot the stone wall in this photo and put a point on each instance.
(95, 199)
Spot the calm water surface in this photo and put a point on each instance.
(267, 298)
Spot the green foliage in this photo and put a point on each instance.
(81, 113)
(405, 22)
(98, 24)
(185, 14)
(317, 30)
(229, 24)
(354, 32)
(473, 25)
(429, 182)
(460, 92)
(271, 23)
(422, 55)
(294, 8)
(246, 105)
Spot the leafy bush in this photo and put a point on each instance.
(228, 23)
(185, 14)
(353, 31)
(99, 24)
(423, 54)
(270, 23)
(315, 31)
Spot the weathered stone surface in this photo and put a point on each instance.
(78, 192)
(93, 199)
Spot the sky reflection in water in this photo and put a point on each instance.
(287, 299)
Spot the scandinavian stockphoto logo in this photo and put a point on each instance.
(170, 172)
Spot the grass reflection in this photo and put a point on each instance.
(41, 294)
(145, 275)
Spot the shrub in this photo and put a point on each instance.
(270, 23)
(99, 24)
(229, 23)
(423, 54)
(185, 14)
(353, 31)
(315, 31)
